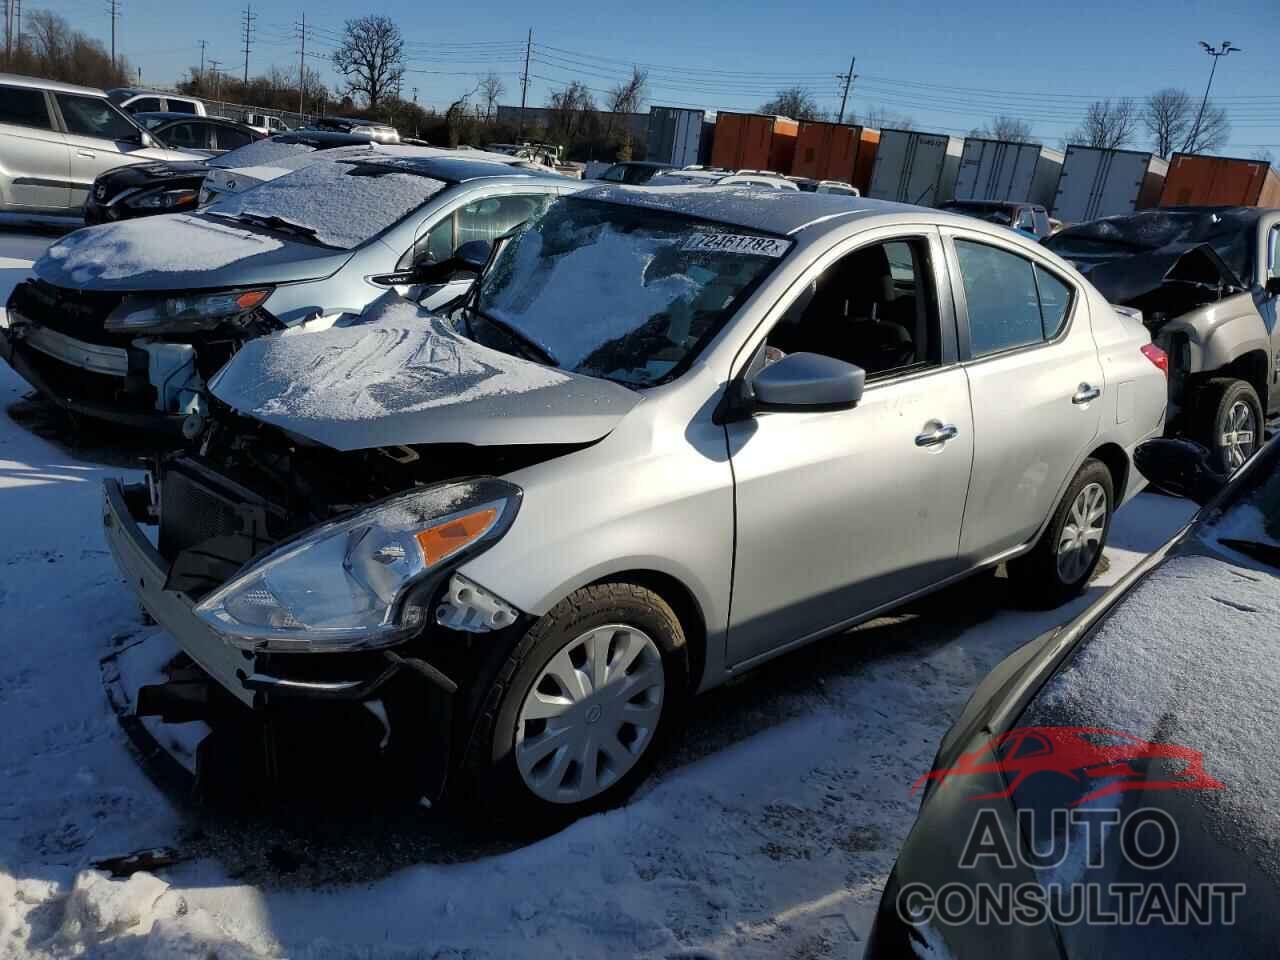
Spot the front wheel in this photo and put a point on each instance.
(571, 724)
(1059, 566)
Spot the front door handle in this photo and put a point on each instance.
(1084, 393)
(939, 434)
(88, 154)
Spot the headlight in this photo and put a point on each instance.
(364, 581)
(162, 199)
(185, 313)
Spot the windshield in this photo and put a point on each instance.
(344, 204)
(1229, 232)
(622, 292)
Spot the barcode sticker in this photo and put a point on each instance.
(736, 243)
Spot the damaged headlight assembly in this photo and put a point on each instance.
(186, 313)
(363, 581)
(162, 199)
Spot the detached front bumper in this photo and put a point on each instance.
(57, 383)
(254, 679)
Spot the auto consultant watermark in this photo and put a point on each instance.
(1091, 865)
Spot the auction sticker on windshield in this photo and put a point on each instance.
(736, 243)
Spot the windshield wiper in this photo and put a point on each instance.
(544, 355)
(1268, 553)
(280, 223)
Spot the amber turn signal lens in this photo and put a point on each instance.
(250, 299)
(451, 536)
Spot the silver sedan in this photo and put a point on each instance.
(672, 433)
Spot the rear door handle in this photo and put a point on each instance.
(1084, 393)
(940, 434)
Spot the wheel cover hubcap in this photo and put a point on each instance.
(1081, 536)
(1239, 436)
(591, 714)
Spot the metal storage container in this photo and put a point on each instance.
(754, 141)
(675, 136)
(1097, 182)
(915, 167)
(835, 151)
(1001, 170)
(1195, 180)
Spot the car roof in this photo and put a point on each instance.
(167, 115)
(452, 169)
(141, 92)
(13, 80)
(773, 211)
(329, 138)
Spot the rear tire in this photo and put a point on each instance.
(573, 721)
(1059, 566)
(1228, 420)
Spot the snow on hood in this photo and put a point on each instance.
(261, 152)
(406, 377)
(172, 244)
(343, 205)
(1190, 658)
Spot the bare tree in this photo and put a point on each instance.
(1107, 124)
(1213, 130)
(625, 97)
(1004, 127)
(794, 102)
(1167, 114)
(491, 88)
(50, 47)
(371, 57)
(455, 117)
(571, 112)
(880, 117)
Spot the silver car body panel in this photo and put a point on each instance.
(91, 356)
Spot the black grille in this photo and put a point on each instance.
(76, 313)
(191, 513)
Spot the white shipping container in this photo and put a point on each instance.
(997, 170)
(675, 135)
(914, 167)
(1102, 183)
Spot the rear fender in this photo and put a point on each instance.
(1219, 333)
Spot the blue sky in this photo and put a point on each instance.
(948, 65)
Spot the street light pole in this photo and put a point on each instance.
(1215, 53)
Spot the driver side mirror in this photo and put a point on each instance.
(147, 140)
(1179, 467)
(470, 258)
(808, 382)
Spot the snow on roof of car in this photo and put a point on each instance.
(772, 211)
(447, 166)
(1189, 657)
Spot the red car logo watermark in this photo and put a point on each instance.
(1109, 761)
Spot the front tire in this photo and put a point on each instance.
(572, 721)
(1229, 422)
(1059, 566)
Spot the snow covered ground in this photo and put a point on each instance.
(767, 832)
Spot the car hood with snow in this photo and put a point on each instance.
(181, 252)
(407, 378)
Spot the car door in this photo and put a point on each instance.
(843, 512)
(231, 138)
(486, 216)
(35, 161)
(1034, 376)
(100, 138)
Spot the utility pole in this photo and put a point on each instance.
(217, 79)
(1215, 53)
(8, 32)
(524, 83)
(203, 44)
(848, 82)
(249, 16)
(113, 8)
(302, 64)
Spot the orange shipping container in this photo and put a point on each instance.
(753, 141)
(835, 151)
(1198, 181)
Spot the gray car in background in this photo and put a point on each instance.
(126, 321)
(669, 435)
(56, 138)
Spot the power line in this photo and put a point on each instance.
(113, 8)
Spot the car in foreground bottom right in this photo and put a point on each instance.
(1112, 788)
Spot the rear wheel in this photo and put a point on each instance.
(572, 722)
(1059, 566)
(1228, 417)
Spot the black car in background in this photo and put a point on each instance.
(1029, 218)
(171, 187)
(1124, 764)
(212, 135)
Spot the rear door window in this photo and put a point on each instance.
(230, 138)
(24, 107)
(181, 106)
(491, 217)
(147, 105)
(1011, 302)
(193, 136)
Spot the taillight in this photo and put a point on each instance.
(1156, 356)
